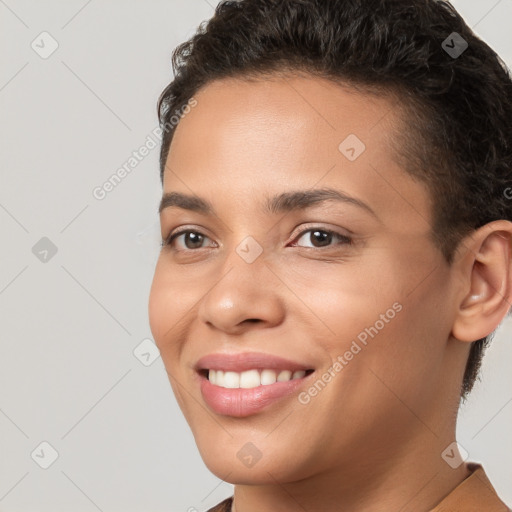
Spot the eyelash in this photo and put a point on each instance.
(345, 239)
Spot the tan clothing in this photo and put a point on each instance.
(474, 494)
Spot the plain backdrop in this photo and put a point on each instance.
(78, 371)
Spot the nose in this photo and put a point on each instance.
(247, 296)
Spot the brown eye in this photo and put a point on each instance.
(189, 240)
(323, 238)
(193, 240)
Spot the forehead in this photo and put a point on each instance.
(248, 137)
(302, 105)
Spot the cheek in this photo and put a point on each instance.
(345, 298)
(156, 306)
(173, 307)
(405, 355)
(379, 318)
(165, 310)
(165, 307)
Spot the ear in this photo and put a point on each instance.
(485, 269)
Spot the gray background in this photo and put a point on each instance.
(70, 324)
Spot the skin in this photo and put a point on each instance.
(372, 439)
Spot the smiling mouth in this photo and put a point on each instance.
(251, 378)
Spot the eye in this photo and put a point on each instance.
(319, 238)
(323, 237)
(191, 240)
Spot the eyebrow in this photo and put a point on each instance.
(284, 202)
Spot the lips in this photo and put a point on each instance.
(239, 402)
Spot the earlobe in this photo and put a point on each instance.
(487, 277)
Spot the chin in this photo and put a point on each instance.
(243, 463)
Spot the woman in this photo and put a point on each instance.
(336, 249)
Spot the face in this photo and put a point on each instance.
(345, 284)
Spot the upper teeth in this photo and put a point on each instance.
(251, 378)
